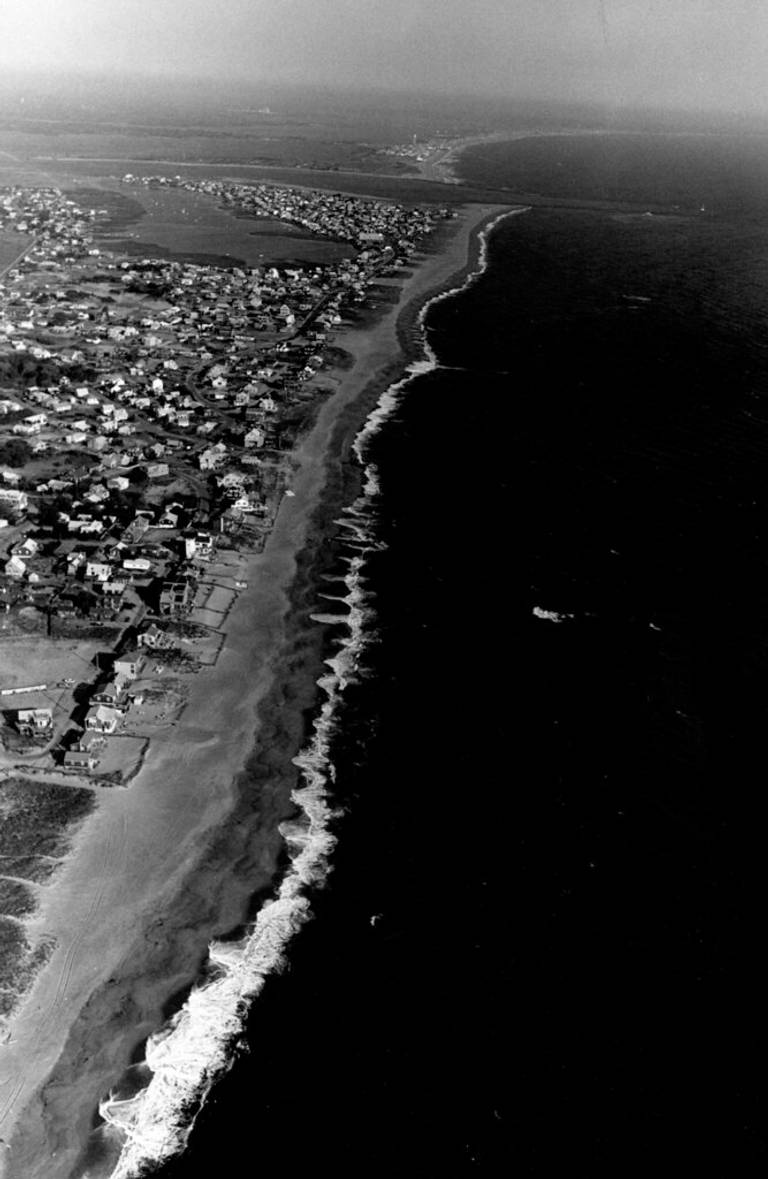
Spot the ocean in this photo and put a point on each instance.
(539, 942)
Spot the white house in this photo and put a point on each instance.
(98, 570)
(15, 567)
(102, 719)
(129, 665)
(34, 720)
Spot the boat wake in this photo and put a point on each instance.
(184, 1058)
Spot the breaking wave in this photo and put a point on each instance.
(199, 1043)
(551, 615)
(469, 281)
(390, 398)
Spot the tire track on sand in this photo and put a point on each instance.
(9, 1101)
(107, 868)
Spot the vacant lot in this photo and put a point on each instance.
(28, 660)
(120, 758)
(11, 245)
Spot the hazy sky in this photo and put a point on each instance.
(701, 53)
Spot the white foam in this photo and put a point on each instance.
(197, 1045)
(390, 398)
(551, 615)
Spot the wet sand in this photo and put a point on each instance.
(183, 854)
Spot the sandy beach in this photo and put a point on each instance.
(188, 852)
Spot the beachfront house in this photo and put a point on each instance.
(76, 759)
(112, 694)
(102, 719)
(175, 596)
(129, 665)
(155, 639)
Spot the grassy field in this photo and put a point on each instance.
(120, 758)
(35, 818)
(19, 963)
(35, 821)
(37, 869)
(11, 245)
(16, 899)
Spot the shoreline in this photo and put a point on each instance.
(228, 850)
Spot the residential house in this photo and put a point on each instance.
(140, 565)
(213, 457)
(13, 500)
(114, 588)
(75, 759)
(91, 741)
(112, 694)
(175, 596)
(33, 721)
(102, 719)
(98, 571)
(129, 665)
(25, 548)
(15, 567)
(155, 639)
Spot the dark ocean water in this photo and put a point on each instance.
(557, 826)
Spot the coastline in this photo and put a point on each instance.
(160, 870)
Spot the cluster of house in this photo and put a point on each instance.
(57, 224)
(109, 705)
(149, 375)
(418, 149)
(365, 222)
(436, 150)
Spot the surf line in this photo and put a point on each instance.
(200, 1042)
(390, 398)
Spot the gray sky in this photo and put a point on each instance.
(695, 53)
